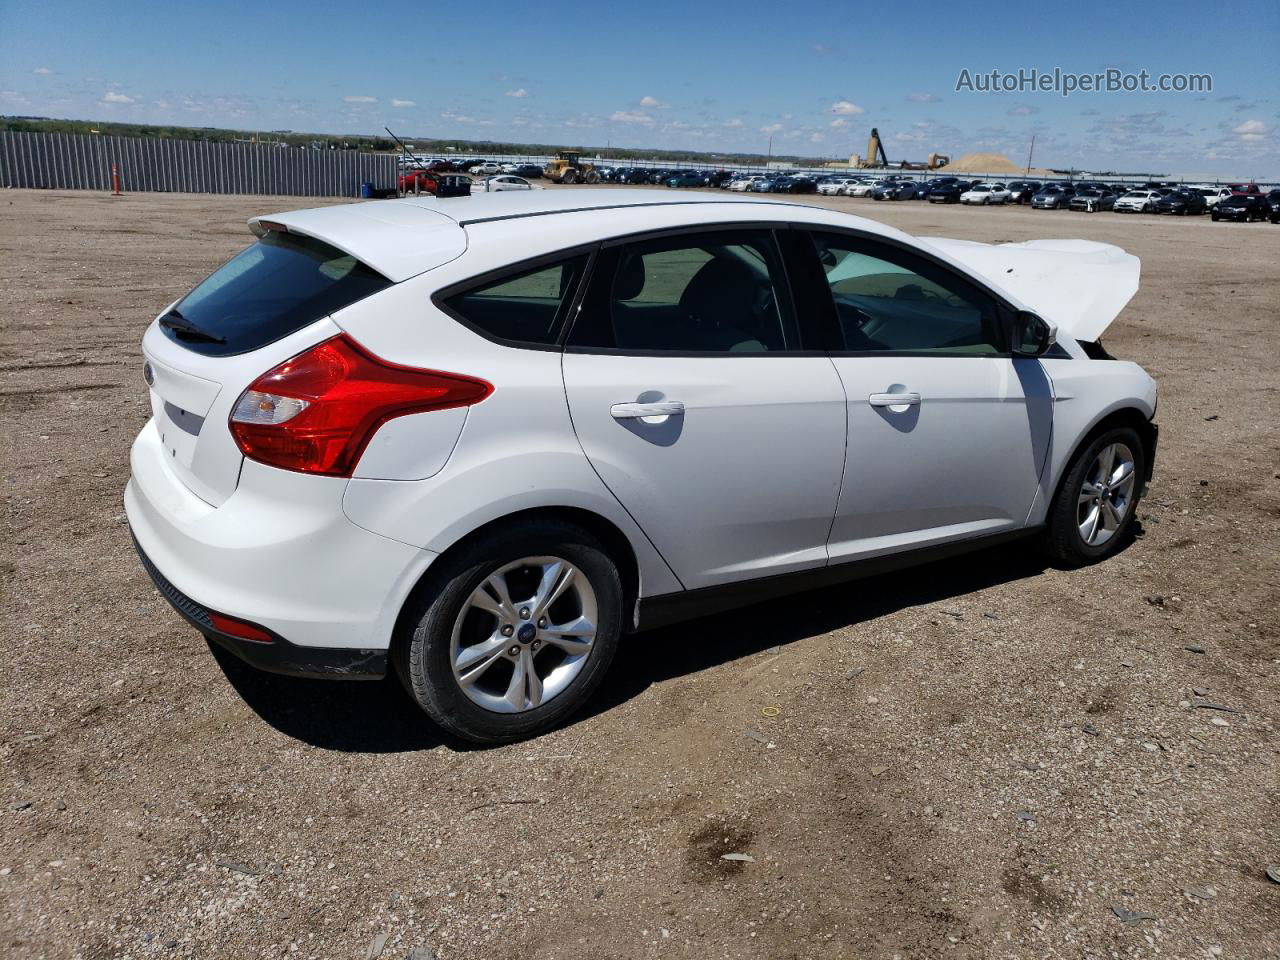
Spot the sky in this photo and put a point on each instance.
(812, 79)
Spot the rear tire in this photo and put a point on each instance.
(459, 634)
(569, 176)
(1082, 495)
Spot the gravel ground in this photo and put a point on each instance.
(981, 758)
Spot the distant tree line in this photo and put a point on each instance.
(423, 146)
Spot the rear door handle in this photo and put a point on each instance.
(635, 411)
(894, 399)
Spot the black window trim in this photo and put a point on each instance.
(1003, 309)
(568, 306)
(774, 227)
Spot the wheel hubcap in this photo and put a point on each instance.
(1106, 495)
(547, 606)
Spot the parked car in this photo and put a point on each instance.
(659, 175)
(1244, 189)
(835, 186)
(743, 184)
(503, 182)
(1273, 202)
(864, 188)
(1241, 208)
(767, 183)
(1182, 202)
(1055, 196)
(985, 194)
(306, 496)
(486, 169)
(948, 192)
(686, 178)
(1021, 191)
(1213, 195)
(894, 190)
(1092, 199)
(635, 175)
(437, 184)
(1137, 201)
(796, 184)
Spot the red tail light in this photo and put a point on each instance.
(240, 628)
(316, 412)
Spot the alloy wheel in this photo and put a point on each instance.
(1106, 494)
(524, 634)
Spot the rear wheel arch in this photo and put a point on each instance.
(615, 543)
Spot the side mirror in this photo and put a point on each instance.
(1032, 335)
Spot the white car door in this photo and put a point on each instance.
(691, 402)
(948, 433)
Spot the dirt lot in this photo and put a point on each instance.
(982, 758)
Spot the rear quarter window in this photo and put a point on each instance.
(521, 308)
(279, 285)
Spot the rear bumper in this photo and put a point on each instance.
(278, 656)
(279, 553)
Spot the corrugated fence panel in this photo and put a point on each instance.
(84, 161)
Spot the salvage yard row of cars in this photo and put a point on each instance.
(1242, 202)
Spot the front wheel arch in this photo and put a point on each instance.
(1130, 417)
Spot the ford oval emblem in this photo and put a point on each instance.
(148, 374)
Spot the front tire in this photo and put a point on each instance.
(513, 634)
(1097, 499)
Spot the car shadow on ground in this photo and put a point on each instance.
(377, 716)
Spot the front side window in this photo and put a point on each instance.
(714, 292)
(526, 307)
(889, 300)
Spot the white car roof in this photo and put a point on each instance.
(406, 237)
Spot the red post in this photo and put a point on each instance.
(115, 180)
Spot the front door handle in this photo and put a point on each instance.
(636, 411)
(894, 399)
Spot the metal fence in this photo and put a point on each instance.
(83, 162)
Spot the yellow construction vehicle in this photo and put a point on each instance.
(567, 167)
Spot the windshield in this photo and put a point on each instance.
(279, 285)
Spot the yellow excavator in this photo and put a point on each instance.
(876, 159)
(567, 167)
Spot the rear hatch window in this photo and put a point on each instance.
(280, 284)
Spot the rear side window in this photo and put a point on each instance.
(522, 308)
(279, 285)
(716, 292)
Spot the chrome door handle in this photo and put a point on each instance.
(894, 399)
(634, 411)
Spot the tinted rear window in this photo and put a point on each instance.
(279, 285)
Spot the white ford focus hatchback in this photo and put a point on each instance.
(476, 440)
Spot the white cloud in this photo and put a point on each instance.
(1023, 110)
(652, 102)
(839, 123)
(771, 128)
(402, 103)
(521, 92)
(112, 97)
(360, 99)
(735, 123)
(924, 98)
(845, 108)
(1250, 130)
(42, 71)
(817, 137)
(630, 116)
(457, 117)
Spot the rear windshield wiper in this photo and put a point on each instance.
(184, 328)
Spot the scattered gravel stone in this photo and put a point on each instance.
(1273, 872)
(879, 769)
(1124, 915)
(1193, 648)
(1026, 816)
(1201, 893)
(1200, 691)
(1218, 706)
(1090, 729)
(376, 946)
(26, 804)
(421, 953)
(739, 857)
